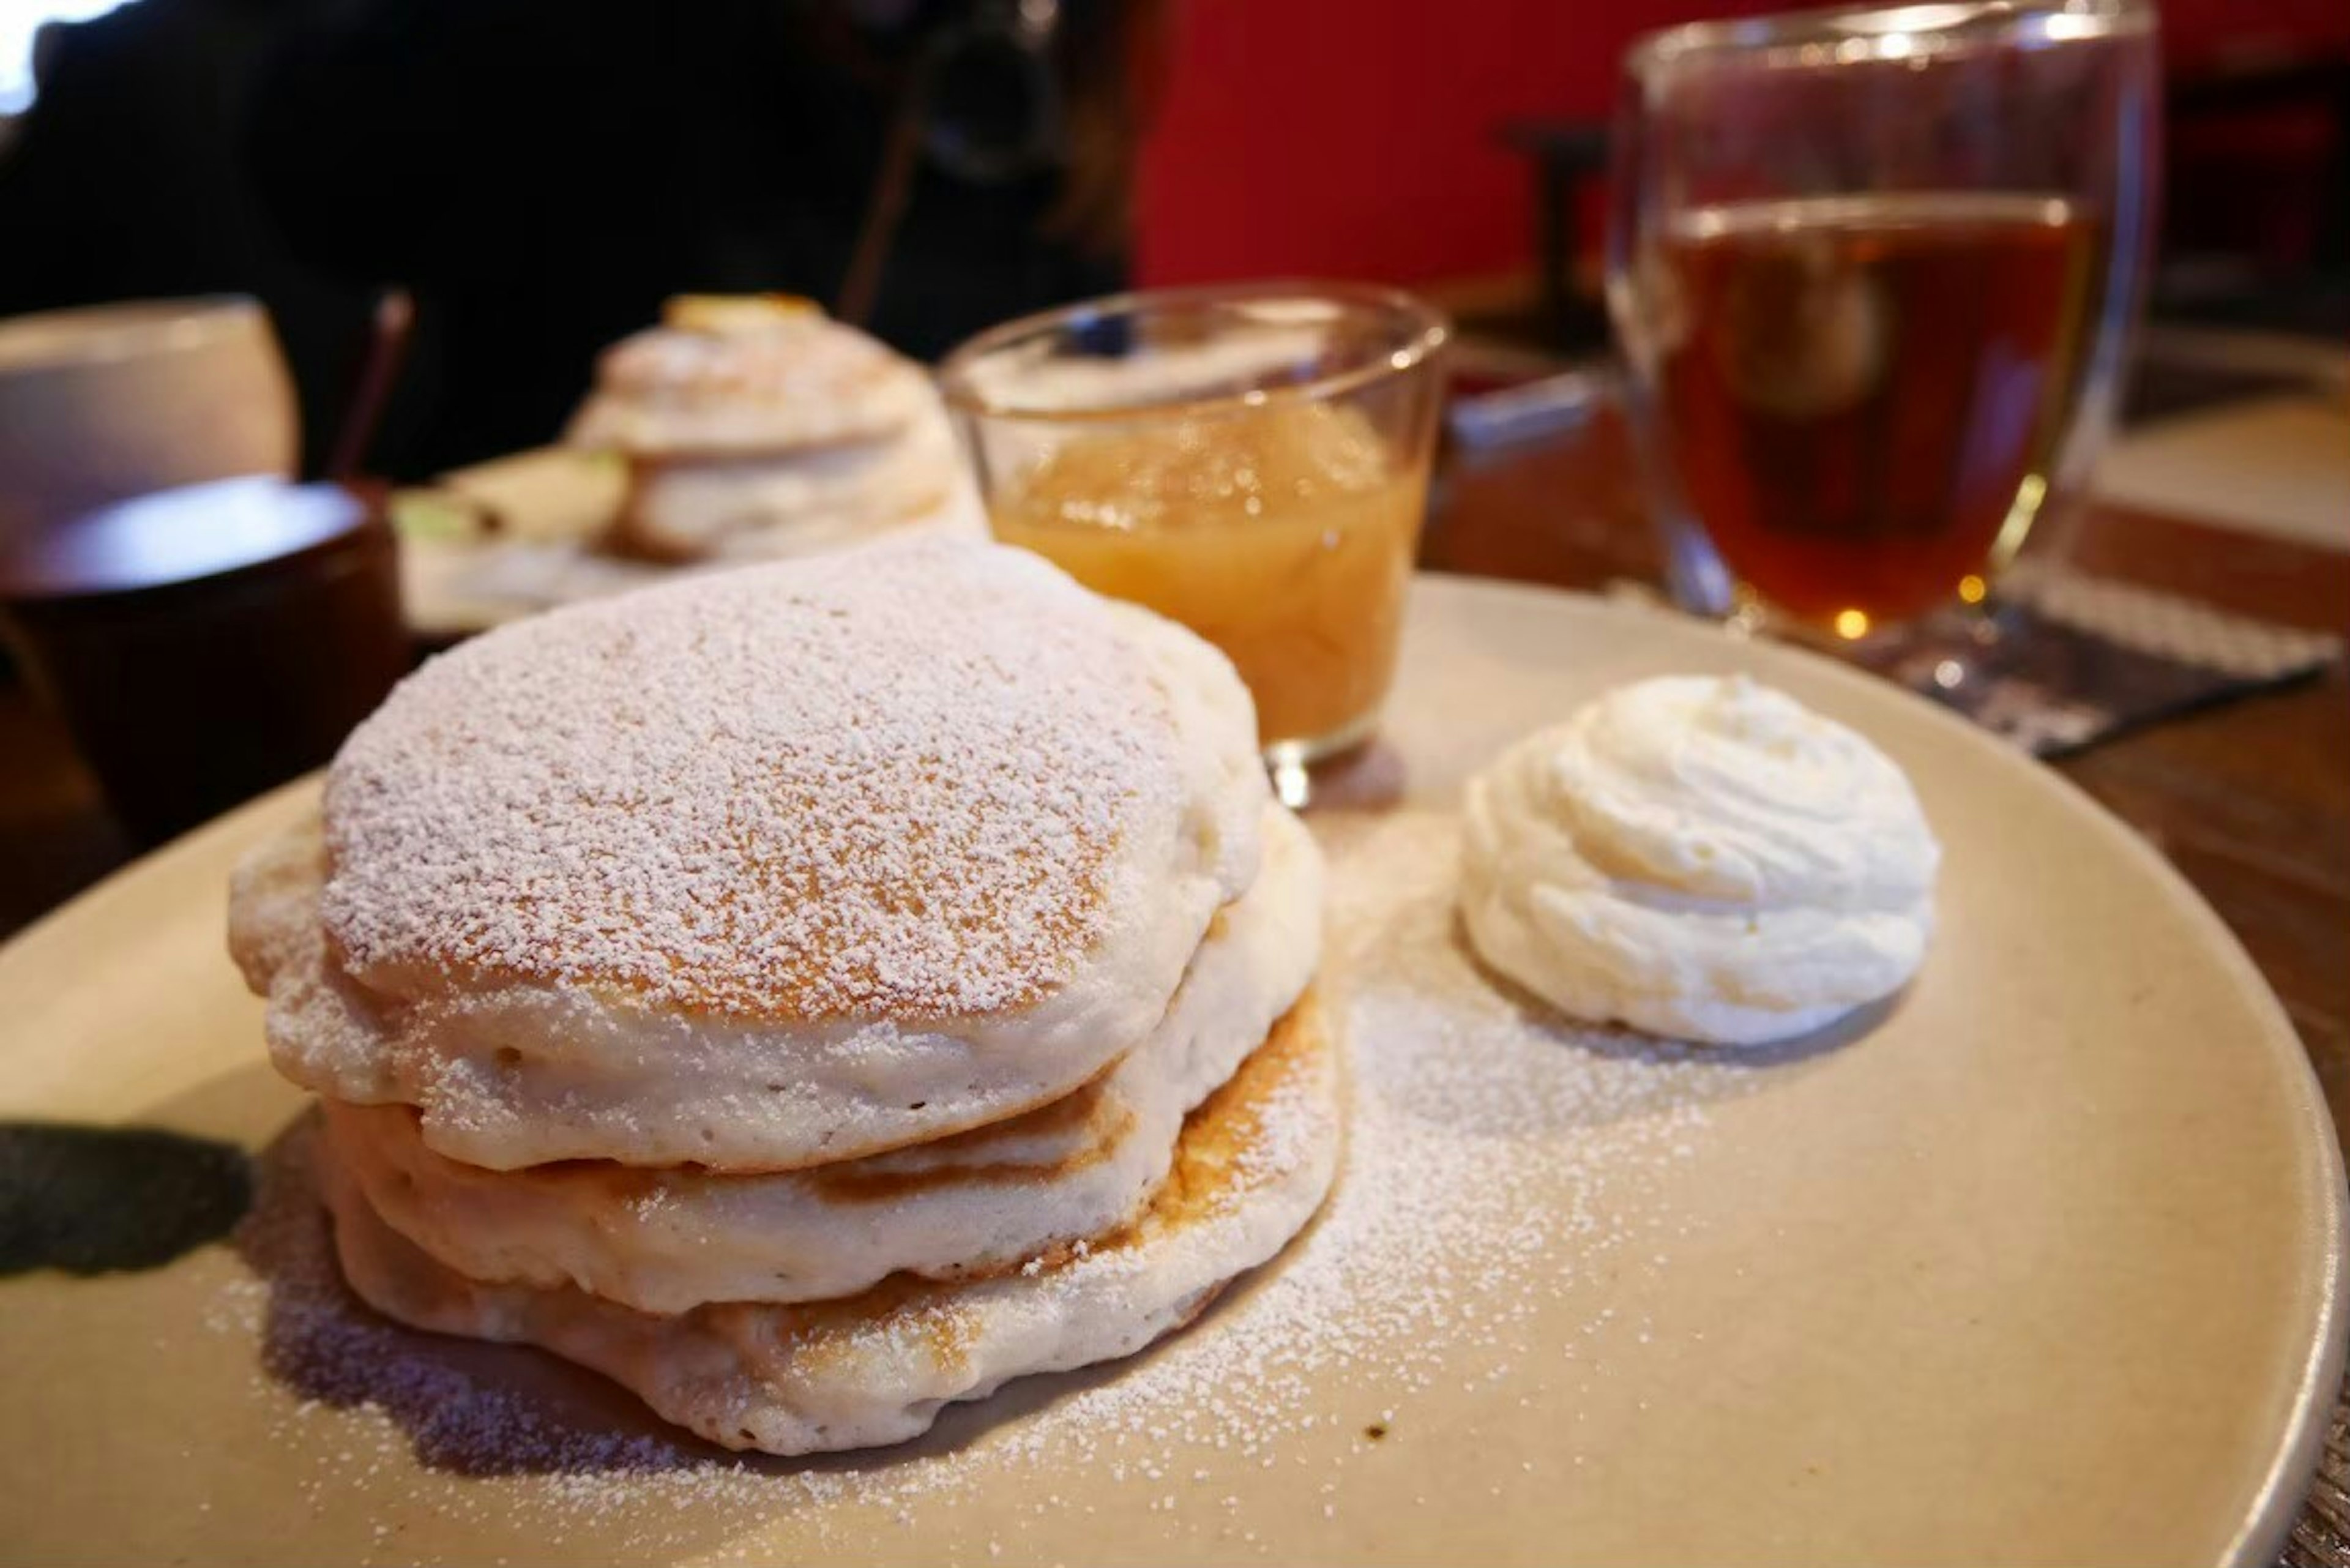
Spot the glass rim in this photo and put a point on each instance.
(109, 332)
(1425, 330)
(1838, 34)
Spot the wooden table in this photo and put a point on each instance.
(2251, 800)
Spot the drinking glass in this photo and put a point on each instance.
(1871, 272)
(1252, 460)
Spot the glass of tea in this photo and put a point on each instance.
(1252, 460)
(1871, 272)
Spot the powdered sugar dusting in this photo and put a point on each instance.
(884, 783)
(1497, 1167)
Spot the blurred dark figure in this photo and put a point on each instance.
(542, 173)
(126, 181)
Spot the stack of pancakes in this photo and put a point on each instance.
(755, 427)
(810, 994)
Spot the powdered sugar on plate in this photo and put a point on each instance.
(1498, 1163)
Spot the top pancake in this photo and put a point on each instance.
(776, 867)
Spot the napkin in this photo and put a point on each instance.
(2083, 658)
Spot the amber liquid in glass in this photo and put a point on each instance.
(1283, 534)
(1862, 398)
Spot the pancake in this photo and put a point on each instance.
(1253, 1164)
(778, 506)
(765, 385)
(761, 870)
(969, 1206)
(957, 513)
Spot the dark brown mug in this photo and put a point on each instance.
(206, 643)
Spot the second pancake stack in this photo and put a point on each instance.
(810, 995)
(755, 428)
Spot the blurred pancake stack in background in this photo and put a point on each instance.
(755, 427)
(742, 427)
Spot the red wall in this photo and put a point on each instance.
(1354, 138)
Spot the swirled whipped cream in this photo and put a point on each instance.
(1702, 858)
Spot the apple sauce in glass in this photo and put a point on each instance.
(1251, 461)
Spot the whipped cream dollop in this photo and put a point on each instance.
(1703, 858)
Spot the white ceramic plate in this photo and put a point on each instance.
(2044, 1265)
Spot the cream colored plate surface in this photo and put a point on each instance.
(2042, 1266)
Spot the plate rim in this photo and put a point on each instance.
(2276, 1502)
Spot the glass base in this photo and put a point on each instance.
(1290, 763)
(1962, 644)
(1988, 662)
(1954, 648)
